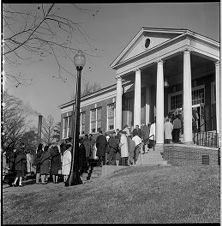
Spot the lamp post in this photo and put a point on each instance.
(74, 176)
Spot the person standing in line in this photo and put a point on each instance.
(37, 162)
(113, 144)
(56, 163)
(176, 129)
(107, 152)
(101, 144)
(66, 161)
(92, 153)
(87, 145)
(124, 148)
(45, 164)
(138, 145)
(126, 128)
(117, 151)
(139, 132)
(82, 158)
(20, 164)
(168, 128)
(152, 136)
(145, 136)
(131, 148)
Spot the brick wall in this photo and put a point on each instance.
(187, 155)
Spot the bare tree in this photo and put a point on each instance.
(42, 30)
(14, 121)
(57, 131)
(88, 89)
(48, 127)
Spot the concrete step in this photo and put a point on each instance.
(151, 158)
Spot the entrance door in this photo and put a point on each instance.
(198, 120)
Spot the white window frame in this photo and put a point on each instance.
(64, 136)
(96, 108)
(114, 117)
(81, 114)
(213, 93)
(181, 92)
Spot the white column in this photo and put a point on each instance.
(119, 92)
(218, 99)
(137, 98)
(187, 98)
(148, 104)
(160, 104)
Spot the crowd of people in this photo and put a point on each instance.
(120, 147)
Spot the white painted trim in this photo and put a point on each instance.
(114, 117)
(213, 98)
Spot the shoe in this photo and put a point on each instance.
(20, 185)
(14, 185)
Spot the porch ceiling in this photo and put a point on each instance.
(173, 69)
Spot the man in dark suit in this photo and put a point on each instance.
(101, 144)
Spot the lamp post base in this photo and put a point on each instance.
(73, 179)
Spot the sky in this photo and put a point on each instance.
(109, 28)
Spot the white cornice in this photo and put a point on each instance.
(185, 33)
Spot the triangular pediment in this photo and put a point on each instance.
(145, 40)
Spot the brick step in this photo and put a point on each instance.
(180, 154)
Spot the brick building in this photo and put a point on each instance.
(160, 71)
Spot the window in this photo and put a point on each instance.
(198, 96)
(66, 130)
(95, 119)
(110, 116)
(176, 99)
(99, 119)
(82, 122)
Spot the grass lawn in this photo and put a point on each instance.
(145, 194)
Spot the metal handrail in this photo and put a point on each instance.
(206, 138)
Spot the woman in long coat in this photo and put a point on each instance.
(124, 148)
(37, 162)
(20, 164)
(45, 164)
(66, 162)
(56, 163)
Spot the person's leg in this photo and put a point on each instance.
(117, 162)
(20, 181)
(136, 154)
(53, 178)
(177, 135)
(43, 178)
(56, 178)
(104, 160)
(37, 178)
(173, 135)
(65, 177)
(15, 181)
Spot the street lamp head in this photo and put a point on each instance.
(79, 60)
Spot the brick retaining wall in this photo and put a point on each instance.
(180, 154)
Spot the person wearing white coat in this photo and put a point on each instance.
(168, 128)
(66, 163)
(124, 148)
